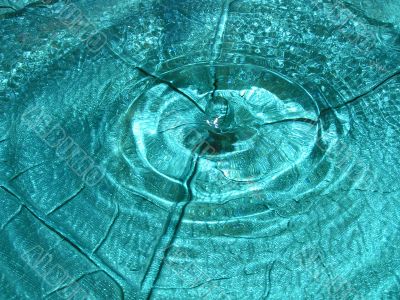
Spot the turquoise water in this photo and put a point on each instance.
(199, 149)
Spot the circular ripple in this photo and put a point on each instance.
(270, 125)
(253, 133)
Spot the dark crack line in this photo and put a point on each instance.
(13, 216)
(159, 79)
(207, 281)
(239, 181)
(217, 44)
(54, 209)
(69, 241)
(370, 91)
(9, 192)
(197, 285)
(145, 198)
(178, 224)
(60, 288)
(215, 85)
(251, 238)
(304, 120)
(104, 238)
(177, 126)
(154, 253)
(2, 141)
(17, 12)
(24, 171)
(173, 87)
(7, 7)
(369, 191)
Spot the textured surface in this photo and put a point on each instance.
(199, 149)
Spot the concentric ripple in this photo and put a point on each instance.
(256, 132)
(246, 149)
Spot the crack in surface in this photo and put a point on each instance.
(94, 261)
(179, 212)
(178, 126)
(217, 44)
(103, 239)
(18, 12)
(304, 120)
(199, 284)
(206, 282)
(171, 85)
(54, 209)
(369, 91)
(215, 85)
(12, 217)
(76, 280)
(24, 171)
